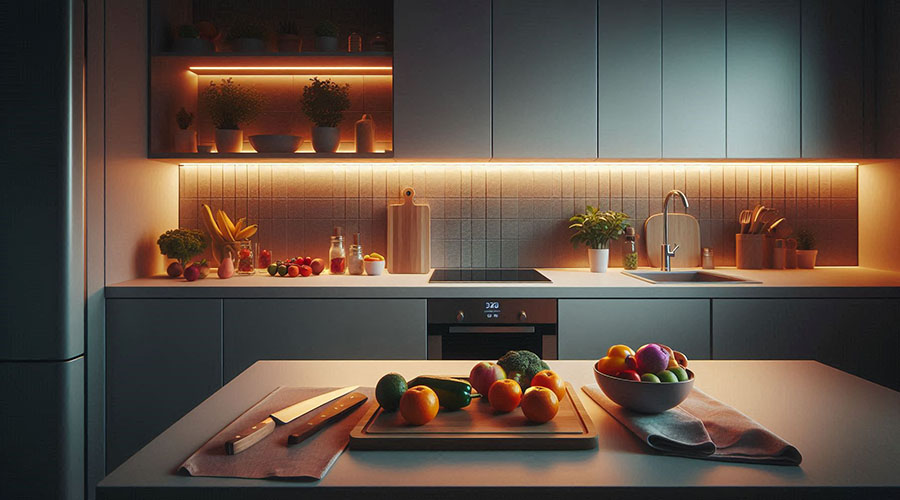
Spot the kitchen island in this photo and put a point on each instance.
(845, 427)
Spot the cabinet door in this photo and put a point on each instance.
(763, 74)
(163, 358)
(544, 79)
(693, 78)
(856, 335)
(629, 92)
(588, 327)
(322, 329)
(442, 79)
(832, 75)
(887, 79)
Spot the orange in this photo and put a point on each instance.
(619, 351)
(419, 405)
(552, 381)
(540, 404)
(611, 365)
(504, 395)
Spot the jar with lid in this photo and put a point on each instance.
(354, 41)
(708, 259)
(355, 263)
(337, 258)
(629, 250)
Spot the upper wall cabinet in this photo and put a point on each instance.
(693, 79)
(763, 89)
(442, 89)
(629, 88)
(544, 79)
(887, 85)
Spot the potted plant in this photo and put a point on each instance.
(229, 105)
(806, 249)
(188, 40)
(181, 245)
(595, 229)
(289, 37)
(323, 103)
(326, 36)
(185, 138)
(247, 37)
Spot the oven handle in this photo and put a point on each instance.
(490, 329)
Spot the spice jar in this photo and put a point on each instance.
(355, 262)
(629, 250)
(708, 260)
(337, 258)
(243, 253)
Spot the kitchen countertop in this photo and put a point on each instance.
(839, 282)
(845, 428)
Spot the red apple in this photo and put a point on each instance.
(629, 375)
(307, 261)
(294, 271)
(305, 270)
(484, 374)
(174, 270)
(192, 273)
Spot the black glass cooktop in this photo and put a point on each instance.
(487, 275)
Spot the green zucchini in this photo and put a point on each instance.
(452, 393)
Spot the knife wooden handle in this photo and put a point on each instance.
(329, 413)
(248, 437)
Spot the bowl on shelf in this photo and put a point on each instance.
(374, 267)
(275, 143)
(644, 397)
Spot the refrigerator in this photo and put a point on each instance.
(42, 355)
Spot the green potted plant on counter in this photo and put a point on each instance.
(229, 105)
(181, 245)
(188, 41)
(247, 37)
(806, 249)
(326, 36)
(324, 102)
(185, 138)
(596, 229)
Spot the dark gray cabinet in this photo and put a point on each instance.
(588, 327)
(163, 358)
(629, 88)
(763, 79)
(544, 87)
(856, 335)
(693, 79)
(258, 329)
(442, 79)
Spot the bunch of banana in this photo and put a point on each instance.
(223, 232)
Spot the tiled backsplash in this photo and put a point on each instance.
(509, 215)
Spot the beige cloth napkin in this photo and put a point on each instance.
(271, 457)
(702, 427)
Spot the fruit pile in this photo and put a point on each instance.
(373, 257)
(652, 363)
(298, 266)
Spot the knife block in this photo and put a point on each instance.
(752, 251)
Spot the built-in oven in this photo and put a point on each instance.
(489, 328)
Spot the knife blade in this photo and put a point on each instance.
(256, 433)
(331, 413)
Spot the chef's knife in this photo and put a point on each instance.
(331, 412)
(249, 437)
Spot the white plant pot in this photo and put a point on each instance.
(326, 139)
(229, 141)
(599, 259)
(185, 141)
(326, 43)
(248, 45)
(806, 259)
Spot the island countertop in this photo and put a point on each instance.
(824, 282)
(846, 429)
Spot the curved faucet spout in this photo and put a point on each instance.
(666, 252)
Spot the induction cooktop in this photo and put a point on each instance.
(487, 275)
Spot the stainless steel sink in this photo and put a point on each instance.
(688, 277)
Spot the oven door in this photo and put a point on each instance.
(479, 342)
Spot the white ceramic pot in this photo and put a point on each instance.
(326, 139)
(599, 259)
(289, 43)
(806, 259)
(229, 140)
(185, 141)
(365, 134)
(248, 45)
(326, 43)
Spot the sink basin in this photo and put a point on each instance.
(685, 277)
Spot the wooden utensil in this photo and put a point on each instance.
(331, 413)
(684, 230)
(409, 236)
(754, 219)
(774, 225)
(783, 230)
(745, 220)
(765, 218)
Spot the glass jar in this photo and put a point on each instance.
(355, 264)
(708, 260)
(629, 250)
(354, 42)
(337, 258)
(243, 257)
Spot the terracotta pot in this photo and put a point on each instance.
(326, 139)
(185, 141)
(229, 140)
(599, 259)
(326, 43)
(806, 259)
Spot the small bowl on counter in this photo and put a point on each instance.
(274, 143)
(644, 397)
(374, 267)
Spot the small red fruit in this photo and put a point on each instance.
(192, 273)
(174, 270)
(307, 261)
(293, 271)
(629, 375)
(305, 271)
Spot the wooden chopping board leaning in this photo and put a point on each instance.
(409, 235)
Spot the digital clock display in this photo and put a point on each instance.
(491, 309)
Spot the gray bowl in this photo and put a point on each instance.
(644, 397)
(273, 143)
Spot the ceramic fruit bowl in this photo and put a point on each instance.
(374, 267)
(644, 397)
(272, 143)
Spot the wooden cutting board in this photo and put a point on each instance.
(409, 236)
(684, 230)
(478, 427)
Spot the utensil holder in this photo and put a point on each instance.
(752, 251)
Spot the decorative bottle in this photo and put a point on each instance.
(629, 250)
(337, 258)
(365, 134)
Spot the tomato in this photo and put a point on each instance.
(611, 365)
(552, 381)
(419, 405)
(628, 375)
(504, 395)
(619, 351)
(540, 404)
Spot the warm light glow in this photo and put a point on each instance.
(544, 164)
(294, 70)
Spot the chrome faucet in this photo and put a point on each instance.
(666, 252)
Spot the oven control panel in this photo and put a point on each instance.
(491, 311)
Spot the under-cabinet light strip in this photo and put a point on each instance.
(524, 164)
(289, 68)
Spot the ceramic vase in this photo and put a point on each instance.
(365, 134)
(806, 259)
(226, 268)
(185, 141)
(229, 140)
(599, 259)
(326, 139)
(326, 43)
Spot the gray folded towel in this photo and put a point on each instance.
(702, 427)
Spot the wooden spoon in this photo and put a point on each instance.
(745, 221)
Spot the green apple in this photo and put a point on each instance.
(679, 372)
(666, 376)
(649, 377)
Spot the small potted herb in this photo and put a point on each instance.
(181, 245)
(188, 40)
(247, 37)
(323, 103)
(595, 229)
(806, 249)
(289, 37)
(185, 138)
(229, 105)
(326, 36)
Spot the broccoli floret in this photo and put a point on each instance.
(525, 362)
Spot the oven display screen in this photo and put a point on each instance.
(491, 309)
